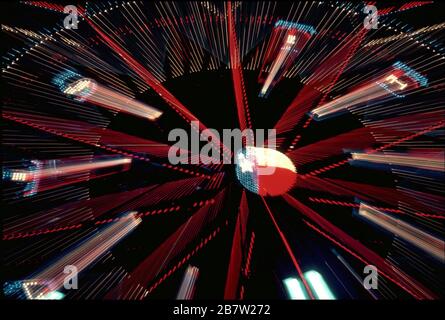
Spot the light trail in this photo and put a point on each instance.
(412, 136)
(65, 168)
(434, 163)
(50, 174)
(418, 238)
(53, 277)
(238, 251)
(187, 287)
(295, 38)
(395, 83)
(237, 72)
(89, 90)
(360, 251)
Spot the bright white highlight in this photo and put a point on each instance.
(316, 282)
(318, 285)
(295, 289)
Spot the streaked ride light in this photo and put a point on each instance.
(403, 230)
(81, 89)
(84, 89)
(53, 295)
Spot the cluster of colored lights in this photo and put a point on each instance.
(290, 42)
(244, 170)
(293, 25)
(30, 176)
(411, 36)
(411, 73)
(386, 87)
(61, 80)
(44, 294)
(14, 175)
(393, 79)
(12, 288)
(29, 295)
(403, 230)
(18, 288)
(27, 33)
(81, 88)
(32, 187)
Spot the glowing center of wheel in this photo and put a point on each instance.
(266, 172)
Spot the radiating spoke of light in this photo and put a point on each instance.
(404, 230)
